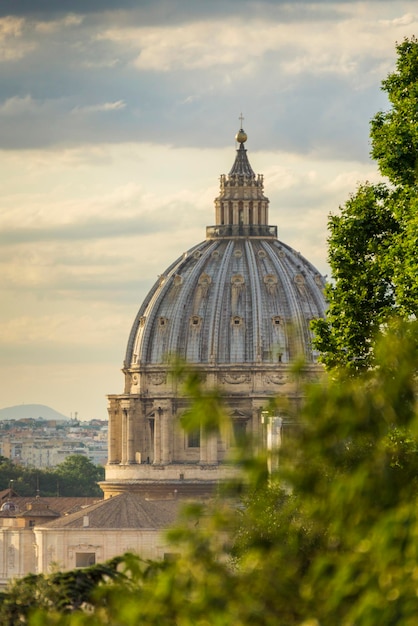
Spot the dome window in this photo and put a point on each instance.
(270, 282)
(261, 254)
(237, 321)
(215, 254)
(238, 254)
(178, 280)
(237, 279)
(276, 320)
(270, 279)
(195, 321)
(197, 254)
(162, 321)
(205, 279)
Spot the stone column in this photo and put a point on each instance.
(246, 213)
(166, 443)
(113, 456)
(256, 429)
(203, 459)
(235, 219)
(124, 435)
(212, 449)
(157, 436)
(130, 452)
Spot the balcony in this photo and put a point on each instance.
(226, 231)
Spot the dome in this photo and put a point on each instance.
(230, 300)
(237, 307)
(240, 296)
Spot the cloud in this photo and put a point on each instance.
(52, 26)
(12, 46)
(17, 105)
(164, 80)
(97, 108)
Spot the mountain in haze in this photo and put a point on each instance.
(26, 411)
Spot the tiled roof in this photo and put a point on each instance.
(127, 510)
(60, 505)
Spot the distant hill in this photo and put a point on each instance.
(25, 411)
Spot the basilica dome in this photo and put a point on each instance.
(237, 307)
(240, 296)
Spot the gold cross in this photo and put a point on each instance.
(241, 119)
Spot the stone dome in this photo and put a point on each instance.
(230, 300)
(237, 307)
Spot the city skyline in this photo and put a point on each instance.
(115, 128)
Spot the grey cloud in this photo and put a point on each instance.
(187, 108)
(153, 12)
(318, 113)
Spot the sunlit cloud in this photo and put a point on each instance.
(12, 46)
(97, 108)
(55, 25)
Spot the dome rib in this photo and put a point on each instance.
(256, 301)
(181, 309)
(214, 337)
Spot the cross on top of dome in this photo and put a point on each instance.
(241, 135)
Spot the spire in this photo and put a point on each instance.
(242, 165)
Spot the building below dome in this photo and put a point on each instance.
(237, 307)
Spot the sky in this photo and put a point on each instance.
(116, 121)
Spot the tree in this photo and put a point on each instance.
(373, 242)
(78, 476)
(64, 591)
(362, 296)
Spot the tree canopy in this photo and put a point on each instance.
(75, 476)
(373, 241)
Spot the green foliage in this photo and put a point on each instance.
(76, 476)
(394, 133)
(373, 242)
(361, 297)
(65, 592)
